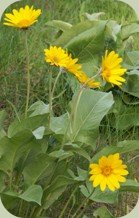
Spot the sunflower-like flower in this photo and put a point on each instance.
(108, 172)
(60, 58)
(56, 56)
(112, 70)
(86, 81)
(72, 66)
(23, 18)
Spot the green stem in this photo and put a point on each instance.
(67, 203)
(81, 213)
(40, 210)
(20, 208)
(51, 91)
(81, 205)
(55, 83)
(27, 73)
(14, 108)
(50, 94)
(72, 115)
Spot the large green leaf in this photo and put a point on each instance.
(78, 150)
(59, 124)
(33, 194)
(84, 39)
(12, 149)
(30, 123)
(129, 29)
(132, 59)
(38, 108)
(61, 154)
(38, 167)
(122, 147)
(88, 107)
(132, 84)
(125, 116)
(113, 29)
(57, 187)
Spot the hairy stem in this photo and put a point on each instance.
(27, 73)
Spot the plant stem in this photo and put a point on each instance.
(80, 206)
(67, 203)
(55, 83)
(51, 91)
(50, 94)
(81, 213)
(27, 73)
(20, 208)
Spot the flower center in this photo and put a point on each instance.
(107, 73)
(23, 23)
(106, 171)
(56, 60)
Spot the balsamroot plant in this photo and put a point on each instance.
(49, 160)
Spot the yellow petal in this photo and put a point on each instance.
(98, 180)
(114, 181)
(103, 184)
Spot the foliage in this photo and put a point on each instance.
(39, 151)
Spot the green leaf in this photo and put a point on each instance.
(57, 187)
(59, 24)
(12, 149)
(105, 197)
(132, 84)
(53, 196)
(84, 39)
(122, 147)
(89, 108)
(59, 124)
(83, 174)
(130, 185)
(125, 116)
(39, 132)
(38, 167)
(95, 194)
(38, 108)
(33, 194)
(61, 154)
(113, 29)
(94, 16)
(102, 212)
(2, 133)
(129, 29)
(30, 123)
(132, 59)
(78, 150)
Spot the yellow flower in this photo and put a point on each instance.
(60, 58)
(85, 80)
(108, 172)
(23, 18)
(112, 70)
(56, 56)
(72, 65)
